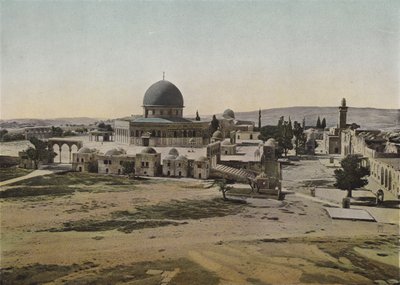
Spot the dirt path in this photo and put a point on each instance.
(34, 173)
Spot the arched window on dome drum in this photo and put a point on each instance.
(137, 133)
(190, 134)
(153, 133)
(159, 134)
(175, 134)
(184, 134)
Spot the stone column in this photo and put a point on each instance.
(70, 154)
(59, 147)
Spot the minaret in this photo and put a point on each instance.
(342, 115)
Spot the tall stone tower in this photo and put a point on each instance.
(342, 115)
(269, 159)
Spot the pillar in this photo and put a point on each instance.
(70, 154)
(59, 147)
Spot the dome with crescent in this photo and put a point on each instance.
(163, 100)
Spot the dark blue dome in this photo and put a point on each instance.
(163, 93)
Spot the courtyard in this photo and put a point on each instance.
(76, 228)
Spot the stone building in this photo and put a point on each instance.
(332, 138)
(235, 129)
(162, 123)
(270, 165)
(82, 159)
(37, 132)
(201, 168)
(217, 136)
(386, 173)
(176, 165)
(148, 162)
(111, 162)
(228, 148)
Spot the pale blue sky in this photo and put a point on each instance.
(89, 58)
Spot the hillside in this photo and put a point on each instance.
(367, 118)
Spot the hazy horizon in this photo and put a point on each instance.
(96, 59)
(192, 115)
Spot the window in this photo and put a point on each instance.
(180, 173)
(142, 163)
(147, 164)
(82, 160)
(105, 161)
(77, 160)
(161, 112)
(168, 164)
(109, 162)
(179, 165)
(107, 170)
(176, 112)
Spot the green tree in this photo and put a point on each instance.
(128, 167)
(318, 123)
(267, 132)
(104, 127)
(351, 175)
(69, 133)
(214, 124)
(323, 123)
(40, 152)
(299, 138)
(2, 133)
(287, 136)
(56, 132)
(223, 187)
(197, 116)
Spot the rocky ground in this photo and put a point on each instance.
(77, 228)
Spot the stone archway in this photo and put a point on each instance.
(61, 142)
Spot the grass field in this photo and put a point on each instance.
(13, 172)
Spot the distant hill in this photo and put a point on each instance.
(367, 118)
(22, 123)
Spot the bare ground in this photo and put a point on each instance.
(180, 233)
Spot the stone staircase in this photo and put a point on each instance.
(233, 173)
